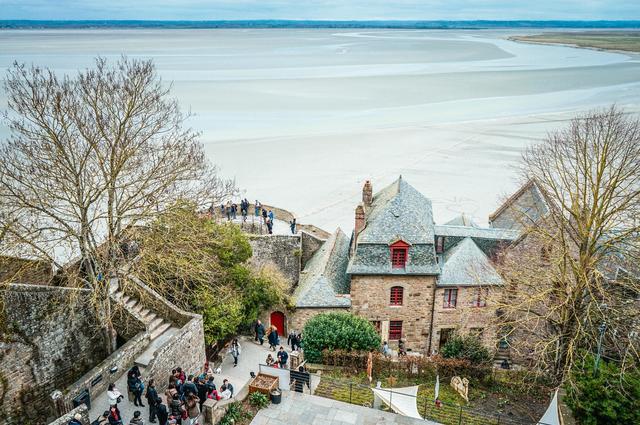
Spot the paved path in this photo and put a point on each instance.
(313, 410)
(252, 354)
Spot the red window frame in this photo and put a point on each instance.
(396, 296)
(480, 298)
(399, 254)
(395, 330)
(450, 298)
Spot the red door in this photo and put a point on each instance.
(277, 320)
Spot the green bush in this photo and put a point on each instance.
(466, 347)
(259, 400)
(607, 397)
(344, 331)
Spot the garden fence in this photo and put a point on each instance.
(361, 395)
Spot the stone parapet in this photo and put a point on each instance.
(64, 419)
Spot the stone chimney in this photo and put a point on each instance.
(360, 222)
(367, 194)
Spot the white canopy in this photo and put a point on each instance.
(552, 415)
(401, 400)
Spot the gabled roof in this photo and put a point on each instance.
(477, 232)
(324, 281)
(398, 211)
(466, 265)
(530, 209)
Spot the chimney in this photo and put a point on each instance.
(367, 194)
(360, 222)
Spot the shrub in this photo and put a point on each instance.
(466, 347)
(259, 400)
(608, 397)
(331, 331)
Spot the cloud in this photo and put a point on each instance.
(319, 9)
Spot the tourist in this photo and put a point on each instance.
(136, 387)
(292, 225)
(137, 419)
(227, 210)
(264, 216)
(226, 390)
(402, 351)
(257, 208)
(291, 340)
(114, 416)
(202, 390)
(385, 349)
(271, 216)
(176, 409)
(299, 379)
(235, 351)
(193, 409)
(259, 330)
(273, 338)
(113, 395)
(171, 390)
(152, 396)
(270, 226)
(282, 358)
(210, 384)
(270, 360)
(104, 419)
(77, 419)
(189, 387)
(161, 412)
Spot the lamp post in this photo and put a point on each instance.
(601, 329)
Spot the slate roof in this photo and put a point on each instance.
(398, 210)
(476, 232)
(462, 220)
(467, 265)
(324, 278)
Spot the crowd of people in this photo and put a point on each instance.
(184, 397)
(263, 215)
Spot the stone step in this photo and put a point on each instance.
(131, 303)
(125, 299)
(159, 330)
(151, 326)
(149, 317)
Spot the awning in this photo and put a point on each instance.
(403, 401)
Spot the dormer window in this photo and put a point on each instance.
(399, 254)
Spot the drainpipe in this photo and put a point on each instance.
(433, 307)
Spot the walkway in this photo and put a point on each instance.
(252, 354)
(299, 408)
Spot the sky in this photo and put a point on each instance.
(321, 9)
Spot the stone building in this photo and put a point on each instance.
(413, 279)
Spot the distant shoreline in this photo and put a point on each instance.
(612, 41)
(293, 24)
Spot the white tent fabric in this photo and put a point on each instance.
(551, 416)
(400, 400)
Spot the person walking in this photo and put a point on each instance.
(273, 338)
(114, 395)
(257, 207)
(235, 351)
(193, 409)
(271, 216)
(264, 216)
(104, 419)
(202, 390)
(176, 409)
(114, 416)
(270, 226)
(227, 210)
(152, 396)
(260, 332)
(291, 340)
(283, 357)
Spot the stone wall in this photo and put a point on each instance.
(370, 298)
(310, 244)
(64, 420)
(50, 337)
(300, 316)
(185, 349)
(282, 251)
(466, 317)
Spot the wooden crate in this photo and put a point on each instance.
(264, 383)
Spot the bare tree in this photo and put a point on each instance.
(89, 157)
(562, 276)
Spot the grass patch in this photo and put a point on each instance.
(628, 41)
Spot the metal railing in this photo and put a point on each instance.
(361, 395)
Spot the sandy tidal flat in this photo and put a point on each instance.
(302, 117)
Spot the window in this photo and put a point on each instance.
(376, 324)
(439, 244)
(445, 335)
(399, 251)
(450, 298)
(398, 257)
(396, 295)
(395, 330)
(480, 297)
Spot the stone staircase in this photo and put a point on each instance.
(158, 328)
